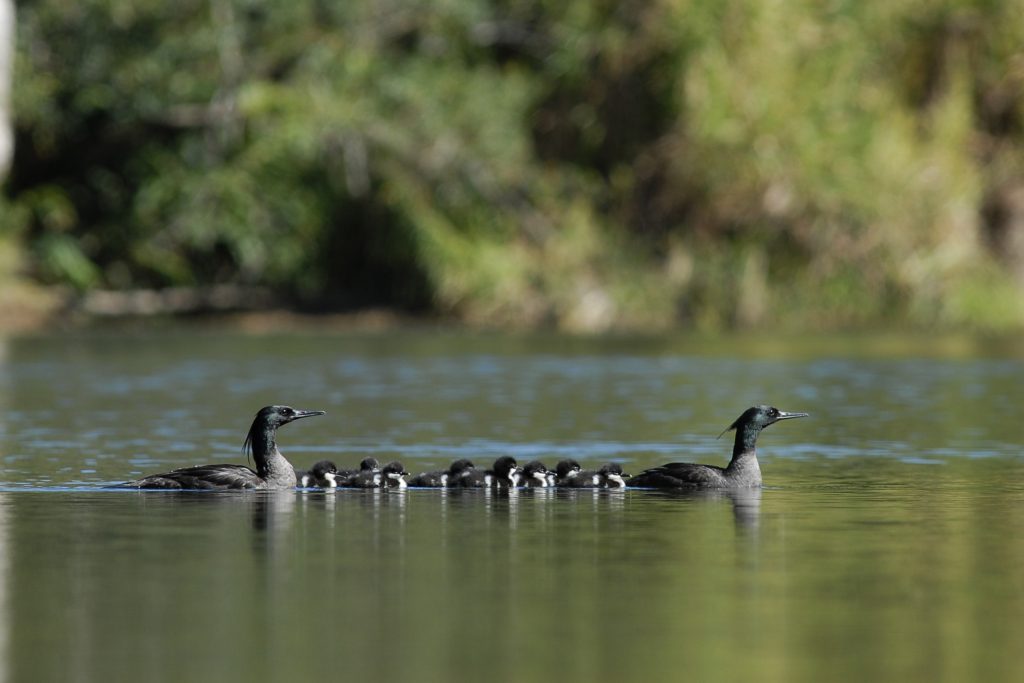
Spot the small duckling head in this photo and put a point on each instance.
(537, 470)
(506, 467)
(567, 468)
(325, 470)
(394, 473)
(369, 465)
(460, 467)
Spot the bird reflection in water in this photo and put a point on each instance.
(273, 514)
(746, 508)
(384, 511)
(746, 503)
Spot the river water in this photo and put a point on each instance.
(887, 544)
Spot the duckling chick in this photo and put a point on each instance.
(443, 478)
(323, 474)
(367, 468)
(535, 474)
(393, 476)
(564, 471)
(612, 476)
(504, 474)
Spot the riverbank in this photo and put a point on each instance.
(782, 167)
(49, 312)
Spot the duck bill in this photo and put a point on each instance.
(299, 414)
(789, 416)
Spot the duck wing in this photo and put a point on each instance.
(203, 477)
(679, 475)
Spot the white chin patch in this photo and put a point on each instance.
(596, 480)
(572, 473)
(617, 481)
(305, 481)
(401, 482)
(541, 477)
(488, 480)
(376, 480)
(332, 480)
(444, 480)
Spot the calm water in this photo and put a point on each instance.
(888, 543)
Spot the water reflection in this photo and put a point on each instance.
(746, 506)
(435, 570)
(822, 576)
(746, 503)
(273, 516)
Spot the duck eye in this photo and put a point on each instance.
(773, 412)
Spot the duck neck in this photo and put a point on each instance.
(744, 456)
(270, 464)
(746, 442)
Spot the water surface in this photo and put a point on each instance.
(887, 543)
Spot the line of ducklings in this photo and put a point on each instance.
(505, 473)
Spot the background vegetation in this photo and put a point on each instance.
(581, 164)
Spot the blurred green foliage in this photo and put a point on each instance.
(580, 164)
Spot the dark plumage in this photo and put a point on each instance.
(584, 479)
(612, 476)
(323, 475)
(443, 478)
(393, 476)
(564, 471)
(742, 471)
(502, 475)
(367, 467)
(535, 474)
(273, 471)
